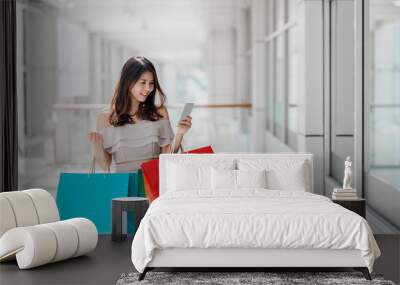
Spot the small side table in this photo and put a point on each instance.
(138, 205)
(356, 205)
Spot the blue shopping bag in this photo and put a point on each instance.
(90, 196)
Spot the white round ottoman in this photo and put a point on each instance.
(31, 233)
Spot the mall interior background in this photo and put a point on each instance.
(313, 76)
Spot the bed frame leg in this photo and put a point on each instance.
(364, 271)
(143, 274)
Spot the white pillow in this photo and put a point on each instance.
(182, 177)
(288, 179)
(188, 173)
(226, 179)
(282, 174)
(223, 179)
(251, 178)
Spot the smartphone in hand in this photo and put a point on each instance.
(187, 110)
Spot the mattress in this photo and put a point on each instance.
(250, 219)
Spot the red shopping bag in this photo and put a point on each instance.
(151, 177)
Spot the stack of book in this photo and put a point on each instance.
(344, 194)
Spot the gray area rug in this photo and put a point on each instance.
(225, 278)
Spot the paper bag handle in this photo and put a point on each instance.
(92, 169)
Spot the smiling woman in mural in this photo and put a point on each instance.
(135, 129)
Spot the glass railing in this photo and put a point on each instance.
(385, 136)
(65, 147)
(384, 142)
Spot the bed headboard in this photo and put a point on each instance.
(212, 159)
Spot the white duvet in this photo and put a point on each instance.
(253, 218)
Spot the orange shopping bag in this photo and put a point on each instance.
(147, 189)
(151, 170)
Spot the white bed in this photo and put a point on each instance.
(201, 226)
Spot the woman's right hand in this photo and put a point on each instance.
(96, 139)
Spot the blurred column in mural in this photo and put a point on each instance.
(221, 59)
(243, 58)
(258, 32)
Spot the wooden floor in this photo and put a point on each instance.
(111, 259)
(103, 266)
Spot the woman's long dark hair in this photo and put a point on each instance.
(121, 103)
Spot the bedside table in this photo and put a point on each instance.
(355, 205)
(126, 204)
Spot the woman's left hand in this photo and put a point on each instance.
(184, 125)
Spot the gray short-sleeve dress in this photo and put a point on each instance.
(136, 142)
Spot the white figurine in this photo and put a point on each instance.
(347, 174)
